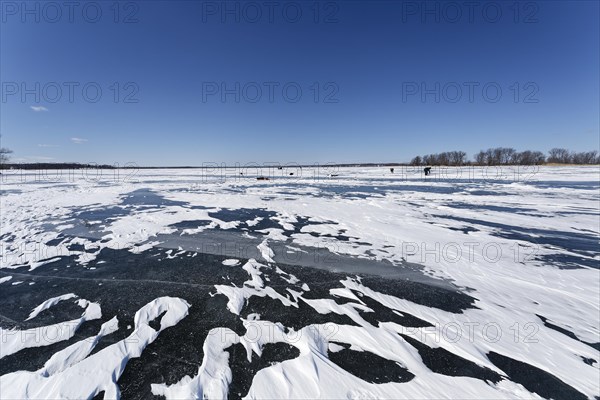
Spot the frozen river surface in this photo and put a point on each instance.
(329, 283)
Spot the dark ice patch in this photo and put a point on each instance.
(383, 314)
(575, 242)
(56, 241)
(566, 332)
(441, 361)
(567, 261)
(243, 372)
(147, 198)
(453, 301)
(99, 396)
(490, 207)
(579, 185)
(290, 316)
(7, 237)
(103, 214)
(241, 214)
(155, 323)
(370, 367)
(534, 379)
(191, 224)
(124, 284)
(588, 360)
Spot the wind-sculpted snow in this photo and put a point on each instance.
(445, 286)
(49, 303)
(328, 380)
(14, 340)
(72, 374)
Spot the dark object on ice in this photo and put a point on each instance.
(262, 178)
(291, 173)
(427, 170)
(279, 167)
(333, 175)
(392, 170)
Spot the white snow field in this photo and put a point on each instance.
(522, 243)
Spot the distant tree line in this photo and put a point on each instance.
(493, 156)
(508, 156)
(55, 166)
(446, 158)
(564, 156)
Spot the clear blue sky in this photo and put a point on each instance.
(369, 56)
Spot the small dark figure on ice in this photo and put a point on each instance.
(427, 170)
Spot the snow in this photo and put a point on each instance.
(266, 251)
(289, 278)
(15, 340)
(77, 351)
(334, 348)
(253, 287)
(214, 376)
(73, 373)
(408, 219)
(254, 221)
(49, 303)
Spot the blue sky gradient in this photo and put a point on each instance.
(368, 59)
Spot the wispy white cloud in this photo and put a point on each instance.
(77, 140)
(38, 108)
(33, 159)
(47, 145)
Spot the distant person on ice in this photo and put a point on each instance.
(427, 170)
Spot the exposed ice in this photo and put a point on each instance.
(522, 249)
(72, 374)
(14, 340)
(49, 303)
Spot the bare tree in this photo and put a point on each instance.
(504, 155)
(490, 157)
(529, 157)
(4, 155)
(416, 161)
(480, 158)
(442, 159)
(523, 158)
(457, 158)
(585, 157)
(538, 158)
(559, 156)
(508, 156)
